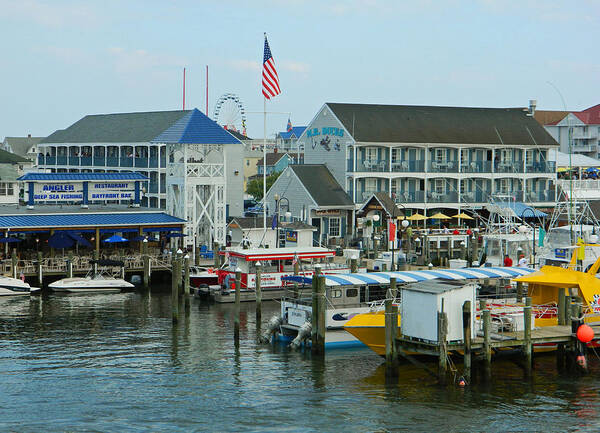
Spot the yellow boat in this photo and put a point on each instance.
(542, 287)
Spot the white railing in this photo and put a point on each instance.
(593, 184)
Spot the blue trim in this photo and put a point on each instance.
(136, 199)
(31, 194)
(81, 176)
(85, 192)
(88, 219)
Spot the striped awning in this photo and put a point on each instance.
(382, 278)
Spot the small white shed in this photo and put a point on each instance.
(422, 301)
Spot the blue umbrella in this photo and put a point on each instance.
(114, 239)
(138, 238)
(61, 239)
(79, 239)
(9, 240)
(592, 170)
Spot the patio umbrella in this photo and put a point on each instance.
(8, 240)
(462, 216)
(61, 239)
(115, 239)
(439, 216)
(138, 238)
(417, 217)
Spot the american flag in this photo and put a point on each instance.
(270, 79)
(289, 125)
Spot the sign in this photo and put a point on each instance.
(560, 253)
(111, 191)
(63, 191)
(291, 236)
(325, 130)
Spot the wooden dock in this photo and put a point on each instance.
(570, 352)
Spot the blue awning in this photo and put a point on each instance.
(81, 177)
(521, 209)
(383, 278)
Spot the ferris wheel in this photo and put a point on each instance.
(230, 113)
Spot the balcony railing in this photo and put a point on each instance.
(508, 167)
(99, 161)
(141, 162)
(537, 196)
(41, 159)
(372, 165)
(408, 166)
(443, 166)
(445, 197)
(362, 196)
(153, 163)
(61, 160)
(112, 161)
(86, 160)
(409, 197)
(153, 188)
(126, 161)
(542, 167)
(477, 167)
(73, 160)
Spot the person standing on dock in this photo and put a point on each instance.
(508, 261)
(522, 261)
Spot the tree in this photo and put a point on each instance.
(255, 187)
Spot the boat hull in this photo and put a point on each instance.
(88, 285)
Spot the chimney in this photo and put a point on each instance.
(532, 105)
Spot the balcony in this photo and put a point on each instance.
(477, 167)
(99, 161)
(112, 161)
(445, 197)
(542, 167)
(50, 160)
(508, 167)
(73, 160)
(153, 188)
(584, 147)
(41, 159)
(409, 197)
(408, 166)
(61, 160)
(141, 162)
(127, 161)
(372, 165)
(475, 197)
(86, 160)
(540, 196)
(153, 163)
(443, 166)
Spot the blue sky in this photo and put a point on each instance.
(62, 59)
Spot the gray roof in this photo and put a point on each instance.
(452, 125)
(11, 158)
(272, 158)
(321, 185)
(20, 145)
(257, 223)
(386, 202)
(117, 128)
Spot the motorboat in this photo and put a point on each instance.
(96, 283)
(15, 287)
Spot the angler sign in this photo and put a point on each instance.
(84, 191)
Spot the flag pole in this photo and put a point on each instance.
(265, 165)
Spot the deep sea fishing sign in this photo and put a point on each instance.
(74, 191)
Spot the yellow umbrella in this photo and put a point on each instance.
(439, 216)
(561, 169)
(463, 216)
(417, 217)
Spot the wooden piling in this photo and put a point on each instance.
(393, 289)
(175, 276)
(186, 275)
(70, 265)
(216, 254)
(442, 347)
(486, 342)
(467, 340)
(146, 259)
(561, 306)
(318, 315)
(519, 291)
(236, 317)
(258, 293)
(14, 262)
(527, 347)
(180, 270)
(354, 265)
(40, 266)
(391, 354)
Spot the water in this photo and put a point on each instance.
(114, 363)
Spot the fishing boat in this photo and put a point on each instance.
(16, 287)
(361, 294)
(542, 286)
(275, 263)
(97, 280)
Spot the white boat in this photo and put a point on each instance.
(15, 287)
(97, 283)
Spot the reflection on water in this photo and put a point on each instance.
(114, 362)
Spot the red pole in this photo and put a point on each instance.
(184, 88)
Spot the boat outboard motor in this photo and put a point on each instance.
(272, 327)
(303, 333)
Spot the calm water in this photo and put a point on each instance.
(115, 363)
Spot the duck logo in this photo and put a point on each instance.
(595, 304)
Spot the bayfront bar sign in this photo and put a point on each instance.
(83, 188)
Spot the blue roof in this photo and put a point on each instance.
(296, 131)
(380, 278)
(88, 219)
(81, 176)
(196, 128)
(521, 209)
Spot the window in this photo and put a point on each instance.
(334, 227)
(440, 186)
(464, 156)
(6, 188)
(504, 186)
(371, 154)
(396, 152)
(351, 293)
(506, 155)
(529, 157)
(440, 155)
(337, 293)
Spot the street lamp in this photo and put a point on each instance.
(375, 219)
(405, 223)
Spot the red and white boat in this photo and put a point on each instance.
(275, 263)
